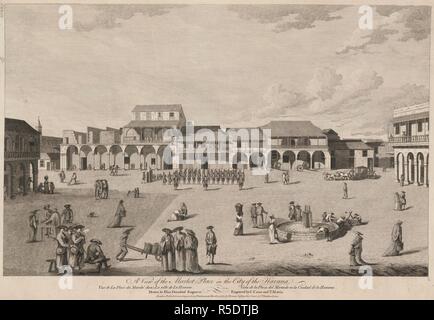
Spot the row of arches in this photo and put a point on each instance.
(102, 158)
(287, 159)
(412, 167)
(20, 178)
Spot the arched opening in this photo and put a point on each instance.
(21, 178)
(86, 159)
(275, 159)
(239, 161)
(132, 158)
(318, 160)
(420, 168)
(101, 158)
(72, 158)
(116, 156)
(400, 167)
(256, 160)
(304, 156)
(410, 164)
(8, 180)
(427, 167)
(288, 159)
(149, 158)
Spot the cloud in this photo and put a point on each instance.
(287, 17)
(108, 16)
(324, 83)
(390, 22)
(280, 100)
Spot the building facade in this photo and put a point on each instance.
(22, 152)
(143, 142)
(50, 153)
(409, 138)
(351, 153)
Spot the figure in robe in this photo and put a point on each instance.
(179, 239)
(191, 258)
(396, 246)
(119, 215)
(398, 206)
(272, 230)
(167, 251)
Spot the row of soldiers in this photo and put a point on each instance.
(195, 176)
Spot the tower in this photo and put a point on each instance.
(39, 126)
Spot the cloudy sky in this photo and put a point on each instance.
(228, 65)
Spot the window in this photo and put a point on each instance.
(397, 128)
(160, 116)
(365, 153)
(171, 115)
(238, 142)
(351, 153)
(419, 126)
(42, 163)
(153, 161)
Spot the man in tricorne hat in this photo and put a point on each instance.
(167, 250)
(123, 250)
(76, 248)
(62, 239)
(94, 254)
(396, 245)
(33, 224)
(67, 215)
(53, 221)
(260, 213)
(253, 215)
(356, 250)
(211, 244)
(178, 241)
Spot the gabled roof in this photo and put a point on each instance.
(19, 126)
(158, 107)
(349, 145)
(293, 129)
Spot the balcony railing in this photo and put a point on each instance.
(409, 139)
(300, 146)
(21, 155)
(145, 140)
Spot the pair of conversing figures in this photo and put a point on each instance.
(179, 249)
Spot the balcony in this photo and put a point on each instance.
(21, 155)
(146, 140)
(299, 146)
(414, 140)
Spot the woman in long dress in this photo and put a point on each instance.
(191, 258)
(272, 230)
(396, 245)
(239, 220)
(120, 213)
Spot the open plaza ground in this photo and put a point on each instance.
(250, 254)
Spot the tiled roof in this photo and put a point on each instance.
(19, 126)
(349, 145)
(158, 107)
(293, 129)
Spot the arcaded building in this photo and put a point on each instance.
(22, 152)
(409, 138)
(157, 138)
